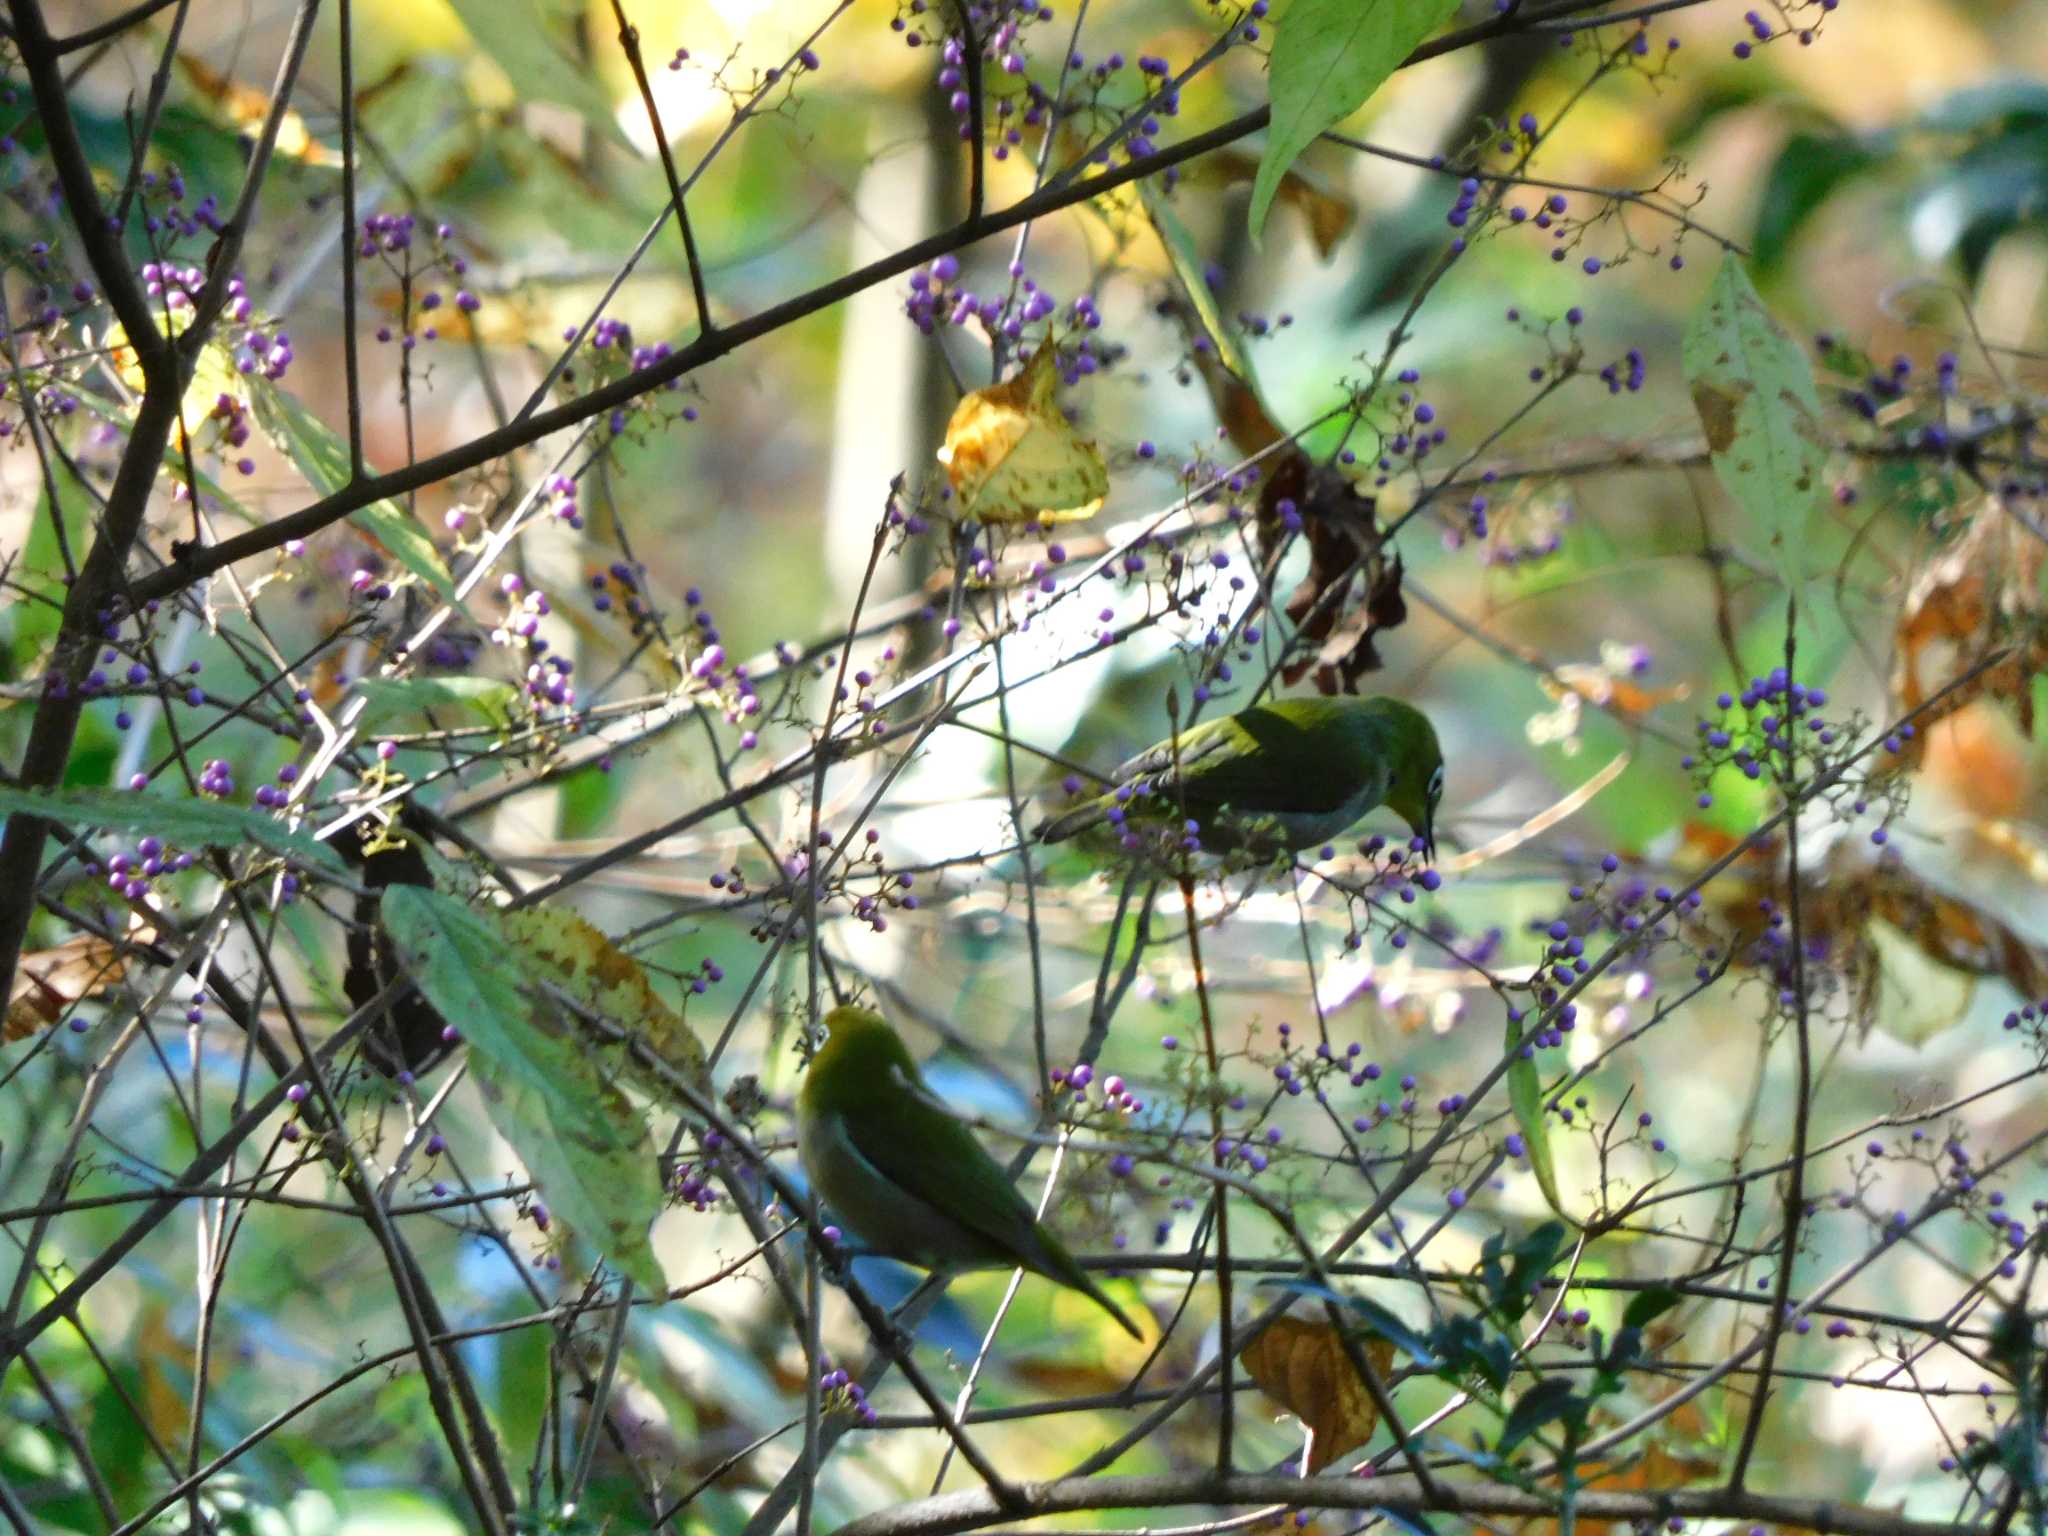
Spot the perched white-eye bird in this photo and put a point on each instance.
(905, 1177)
(1283, 775)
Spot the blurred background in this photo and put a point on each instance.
(1889, 181)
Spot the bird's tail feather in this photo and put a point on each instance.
(1100, 1297)
(1055, 1263)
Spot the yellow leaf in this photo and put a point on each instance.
(1302, 1366)
(167, 1362)
(1012, 457)
(245, 109)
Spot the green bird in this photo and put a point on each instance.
(906, 1178)
(1280, 776)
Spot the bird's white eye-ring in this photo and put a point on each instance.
(1436, 784)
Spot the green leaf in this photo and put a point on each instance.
(1329, 56)
(1525, 1096)
(1982, 194)
(1809, 169)
(1546, 1402)
(387, 697)
(1533, 1255)
(33, 622)
(1189, 267)
(1754, 390)
(187, 823)
(581, 1138)
(322, 457)
(534, 42)
(1645, 1307)
(1464, 1345)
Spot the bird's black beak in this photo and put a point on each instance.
(1429, 834)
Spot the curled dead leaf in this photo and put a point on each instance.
(1347, 552)
(1980, 760)
(1302, 1366)
(1330, 213)
(1980, 594)
(245, 109)
(1013, 457)
(51, 982)
(1912, 952)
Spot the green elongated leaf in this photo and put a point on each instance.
(1533, 1255)
(1189, 268)
(1755, 394)
(186, 823)
(1329, 56)
(1465, 1344)
(322, 457)
(1547, 1401)
(1645, 1307)
(1808, 170)
(387, 697)
(581, 1138)
(533, 41)
(1525, 1097)
(34, 622)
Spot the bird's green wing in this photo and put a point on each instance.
(1263, 760)
(934, 1158)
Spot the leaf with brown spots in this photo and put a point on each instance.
(1753, 387)
(552, 1095)
(1303, 1367)
(598, 975)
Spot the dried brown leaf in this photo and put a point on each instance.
(1330, 214)
(1981, 593)
(1302, 1366)
(49, 983)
